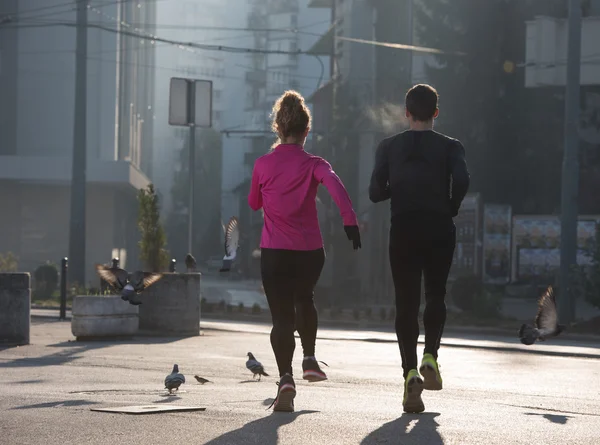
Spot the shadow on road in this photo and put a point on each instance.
(72, 350)
(59, 403)
(167, 398)
(262, 431)
(554, 418)
(408, 429)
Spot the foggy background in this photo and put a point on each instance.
(502, 96)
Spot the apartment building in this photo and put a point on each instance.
(37, 96)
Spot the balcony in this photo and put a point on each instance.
(320, 3)
(257, 77)
(57, 169)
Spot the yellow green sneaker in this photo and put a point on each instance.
(413, 387)
(431, 373)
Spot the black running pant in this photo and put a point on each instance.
(418, 247)
(289, 278)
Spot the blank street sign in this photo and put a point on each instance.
(178, 102)
(182, 102)
(148, 409)
(203, 102)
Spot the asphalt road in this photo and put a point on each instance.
(492, 395)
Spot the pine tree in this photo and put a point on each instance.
(153, 239)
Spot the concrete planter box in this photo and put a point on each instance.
(171, 307)
(100, 316)
(15, 306)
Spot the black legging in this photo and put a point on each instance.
(289, 278)
(416, 247)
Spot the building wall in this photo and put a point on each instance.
(42, 105)
(8, 81)
(546, 52)
(37, 230)
(116, 69)
(196, 17)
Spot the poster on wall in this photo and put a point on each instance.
(496, 243)
(536, 244)
(466, 254)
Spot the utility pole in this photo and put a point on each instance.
(192, 161)
(570, 167)
(78, 176)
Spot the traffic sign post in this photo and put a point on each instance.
(190, 105)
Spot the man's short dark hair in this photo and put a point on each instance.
(421, 102)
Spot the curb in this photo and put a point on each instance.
(507, 348)
(350, 326)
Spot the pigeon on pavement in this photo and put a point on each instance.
(232, 241)
(174, 380)
(129, 285)
(255, 367)
(201, 380)
(190, 263)
(546, 321)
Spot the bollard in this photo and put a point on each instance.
(64, 266)
(172, 265)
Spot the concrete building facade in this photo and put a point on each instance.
(37, 78)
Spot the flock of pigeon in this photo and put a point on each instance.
(131, 285)
(545, 326)
(174, 380)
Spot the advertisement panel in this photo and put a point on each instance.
(497, 221)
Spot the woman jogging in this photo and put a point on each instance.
(284, 185)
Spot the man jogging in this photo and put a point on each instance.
(425, 175)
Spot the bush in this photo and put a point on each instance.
(241, 307)
(382, 314)
(488, 304)
(45, 281)
(256, 309)
(229, 308)
(465, 291)
(392, 314)
(8, 262)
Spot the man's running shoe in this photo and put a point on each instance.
(312, 371)
(285, 395)
(431, 373)
(413, 387)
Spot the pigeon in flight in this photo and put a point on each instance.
(129, 285)
(190, 263)
(255, 367)
(232, 241)
(546, 321)
(201, 380)
(174, 380)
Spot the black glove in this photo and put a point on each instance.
(353, 235)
